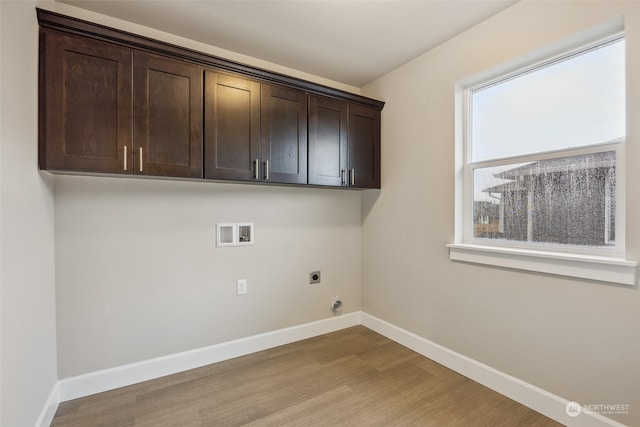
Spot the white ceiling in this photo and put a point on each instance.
(351, 42)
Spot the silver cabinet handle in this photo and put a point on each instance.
(266, 170)
(256, 168)
(125, 157)
(342, 181)
(140, 159)
(353, 177)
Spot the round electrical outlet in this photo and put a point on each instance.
(314, 277)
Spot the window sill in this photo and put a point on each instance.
(613, 270)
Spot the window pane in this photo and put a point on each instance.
(576, 102)
(566, 200)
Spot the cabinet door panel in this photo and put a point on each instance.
(364, 146)
(284, 134)
(87, 104)
(168, 117)
(232, 127)
(327, 141)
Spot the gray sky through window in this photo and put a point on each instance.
(571, 103)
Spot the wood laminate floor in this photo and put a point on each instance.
(353, 377)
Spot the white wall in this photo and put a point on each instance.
(577, 339)
(28, 336)
(138, 274)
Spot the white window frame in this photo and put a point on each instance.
(606, 264)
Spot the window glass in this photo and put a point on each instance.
(574, 102)
(565, 200)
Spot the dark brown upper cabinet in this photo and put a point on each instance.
(283, 129)
(85, 104)
(344, 144)
(232, 127)
(253, 131)
(364, 147)
(327, 141)
(109, 109)
(114, 102)
(167, 125)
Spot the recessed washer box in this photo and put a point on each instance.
(239, 234)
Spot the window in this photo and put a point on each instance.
(540, 167)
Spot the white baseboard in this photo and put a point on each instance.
(529, 395)
(50, 407)
(109, 379)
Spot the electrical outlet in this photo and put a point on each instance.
(314, 277)
(241, 286)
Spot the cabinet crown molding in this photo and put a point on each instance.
(57, 21)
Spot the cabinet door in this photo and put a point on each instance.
(364, 146)
(283, 142)
(168, 117)
(232, 127)
(327, 141)
(85, 105)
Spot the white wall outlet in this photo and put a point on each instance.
(242, 286)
